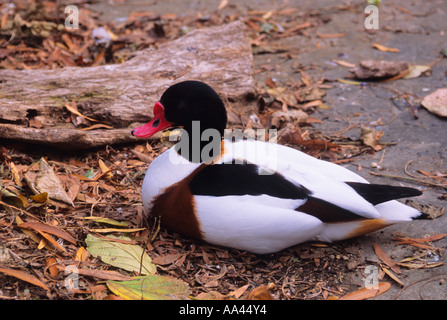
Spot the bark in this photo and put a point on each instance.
(32, 102)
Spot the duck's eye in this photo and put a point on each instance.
(155, 123)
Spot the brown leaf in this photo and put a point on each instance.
(270, 83)
(22, 275)
(393, 276)
(166, 259)
(371, 138)
(387, 260)
(365, 293)
(385, 49)
(51, 263)
(261, 293)
(38, 226)
(436, 102)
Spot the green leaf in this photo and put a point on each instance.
(90, 174)
(153, 287)
(129, 257)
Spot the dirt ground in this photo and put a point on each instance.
(417, 142)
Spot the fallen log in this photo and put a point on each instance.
(33, 102)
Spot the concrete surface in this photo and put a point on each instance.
(419, 30)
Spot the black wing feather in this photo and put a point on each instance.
(378, 193)
(244, 179)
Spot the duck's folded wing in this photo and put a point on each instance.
(323, 181)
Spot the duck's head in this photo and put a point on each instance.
(181, 105)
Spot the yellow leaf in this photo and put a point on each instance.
(104, 169)
(152, 287)
(41, 197)
(125, 256)
(416, 71)
(82, 254)
(349, 81)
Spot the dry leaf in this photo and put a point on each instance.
(436, 102)
(46, 181)
(385, 49)
(261, 293)
(38, 226)
(22, 275)
(371, 138)
(238, 292)
(387, 260)
(153, 287)
(51, 264)
(365, 293)
(393, 276)
(82, 254)
(416, 71)
(344, 63)
(166, 259)
(222, 4)
(75, 111)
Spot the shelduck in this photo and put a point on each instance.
(250, 194)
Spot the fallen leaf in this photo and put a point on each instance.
(222, 4)
(349, 82)
(166, 259)
(46, 181)
(436, 102)
(371, 138)
(385, 49)
(331, 35)
(385, 259)
(108, 230)
(107, 221)
(153, 287)
(22, 275)
(125, 256)
(239, 292)
(76, 112)
(38, 226)
(365, 293)
(416, 71)
(41, 198)
(261, 293)
(82, 254)
(14, 198)
(51, 264)
(393, 276)
(51, 240)
(15, 174)
(344, 63)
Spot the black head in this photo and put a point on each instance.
(190, 101)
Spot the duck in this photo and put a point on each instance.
(253, 194)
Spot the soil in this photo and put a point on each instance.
(415, 142)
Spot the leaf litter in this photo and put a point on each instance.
(58, 210)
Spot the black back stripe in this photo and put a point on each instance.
(378, 193)
(326, 211)
(244, 179)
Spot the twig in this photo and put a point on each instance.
(410, 179)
